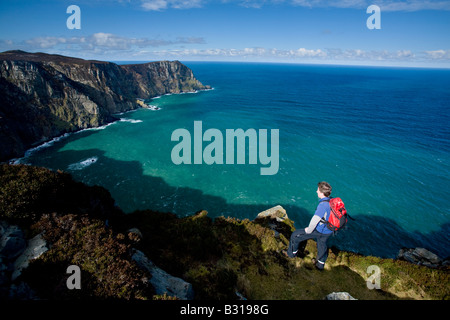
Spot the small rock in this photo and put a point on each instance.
(163, 282)
(339, 296)
(240, 296)
(277, 212)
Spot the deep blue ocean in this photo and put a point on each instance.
(380, 136)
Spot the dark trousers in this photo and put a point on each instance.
(298, 243)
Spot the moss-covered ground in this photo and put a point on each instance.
(223, 256)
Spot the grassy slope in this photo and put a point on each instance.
(227, 255)
(219, 257)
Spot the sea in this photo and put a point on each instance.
(379, 135)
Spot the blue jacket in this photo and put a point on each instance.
(323, 211)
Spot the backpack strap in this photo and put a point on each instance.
(325, 218)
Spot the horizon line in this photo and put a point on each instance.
(317, 63)
(290, 63)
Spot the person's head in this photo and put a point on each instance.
(323, 189)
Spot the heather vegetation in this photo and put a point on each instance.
(27, 192)
(103, 257)
(72, 218)
(223, 258)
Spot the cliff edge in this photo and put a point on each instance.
(153, 255)
(45, 95)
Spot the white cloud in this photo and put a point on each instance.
(330, 55)
(159, 5)
(253, 3)
(98, 41)
(105, 45)
(356, 4)
(247, 53)
(438, 54)
(156, 5)
(45, 42)
(373, 55)
(385, 5)
(413, 5)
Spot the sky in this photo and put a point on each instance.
(412, 33)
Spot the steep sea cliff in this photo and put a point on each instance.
(44, 96)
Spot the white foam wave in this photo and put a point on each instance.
(152, 107)
(130, 120)
(82, 164)
(95, 128)
(29, 152)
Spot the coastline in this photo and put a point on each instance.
(115, 119)
(51, 141)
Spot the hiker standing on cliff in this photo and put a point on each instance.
(316, 229)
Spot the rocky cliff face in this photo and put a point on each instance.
(162, 77)
(43, 96)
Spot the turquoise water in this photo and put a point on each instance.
(380, 136)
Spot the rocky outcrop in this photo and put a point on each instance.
(44, 96)
(278, 213)
(36, 246)
(277, 220)
(422, 256)
(16, 252)
(162, 77)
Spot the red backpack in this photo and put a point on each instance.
(338, 215)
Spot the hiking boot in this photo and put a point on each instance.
(284, 252)
(319, 266)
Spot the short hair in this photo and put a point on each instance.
(325, 188)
